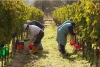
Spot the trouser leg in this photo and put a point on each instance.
(39, 38)
(59, 47)
(62, 49)
(40, 45)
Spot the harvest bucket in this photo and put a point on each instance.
(30, 46)
(76, 46)
(2, 52)
(20, 45)
(72, 42)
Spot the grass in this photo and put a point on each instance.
(50, 56)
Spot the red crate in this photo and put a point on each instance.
(20, 47)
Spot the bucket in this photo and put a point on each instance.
(72, 42)
(20, 45)
(30, 46)
(2, 52)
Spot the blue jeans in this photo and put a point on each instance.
(40, 45)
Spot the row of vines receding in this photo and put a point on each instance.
(86, 15)
(13, 14)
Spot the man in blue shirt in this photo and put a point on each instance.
(62, 33)
(40, 25)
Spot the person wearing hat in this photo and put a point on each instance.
(35, 34)
(62, 33)
(40, 25)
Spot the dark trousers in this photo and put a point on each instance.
(62, 49)
(39, 37)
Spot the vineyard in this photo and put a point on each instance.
(13, 15)
(86, 15)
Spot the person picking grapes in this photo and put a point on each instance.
(62, 34)
(40, 25)
(35, 34)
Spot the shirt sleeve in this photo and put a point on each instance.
(70, 28)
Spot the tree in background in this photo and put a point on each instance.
(49, 5)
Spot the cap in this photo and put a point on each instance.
(28, 21)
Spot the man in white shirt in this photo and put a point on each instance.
(40, 25)
(35, 34)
